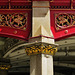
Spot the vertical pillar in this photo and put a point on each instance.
(41, 19)
(41, 49)
(4, 66)
(3, 72)
(73, 73)
(41, 64)
(41, 59)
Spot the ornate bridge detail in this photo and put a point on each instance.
(4, 64)
(17, 20)
(4, 67)
(64, 20)
(38, 49)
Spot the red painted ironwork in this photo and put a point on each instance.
(15, 18)
(62, 18)
(18, 20)
(14, 29)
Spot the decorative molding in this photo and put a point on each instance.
(4, 7)
(15, 20)
(4, 67)
(16, 7)
(40, 49)
(26, 4)
(21, 7)
(64, 20)
(4, 64)
(59, 7)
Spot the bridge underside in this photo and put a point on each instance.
(39, 24)
(13, 49)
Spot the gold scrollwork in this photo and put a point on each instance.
(5, 67)
(63, 21)
(40, 49)
(15, 20)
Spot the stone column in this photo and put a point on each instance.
(41, 47)
(41, 65)
(4, 66)
(41, 59)
(4, 69)
(3, 72)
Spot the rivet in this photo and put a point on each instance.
(35, 41)
(15, 32)
(66, 31)
(47, 56)
(65, 41)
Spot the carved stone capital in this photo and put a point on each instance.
(40, 48)
(4, 64)
(4, 67)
